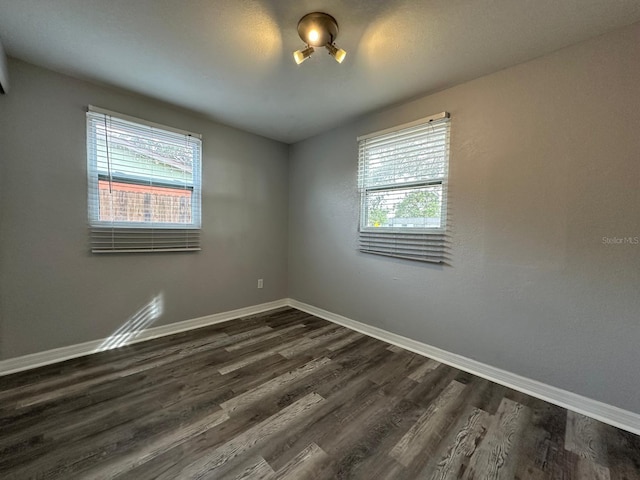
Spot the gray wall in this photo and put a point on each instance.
(545, 162)
(54, 292)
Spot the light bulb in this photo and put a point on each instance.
(313, 36)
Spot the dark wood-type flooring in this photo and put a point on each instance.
(287, 395)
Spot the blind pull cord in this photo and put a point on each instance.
(106, 137)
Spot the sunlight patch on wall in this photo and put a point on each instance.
(133, 327)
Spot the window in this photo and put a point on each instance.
(402, 179)
(144, 185)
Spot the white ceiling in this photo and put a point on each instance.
(231, 59)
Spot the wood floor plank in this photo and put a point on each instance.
(106, 359)
(459, 448)
(288, 349)
(310, 343)
(58, 461)
(495, 458)
(255, 470)
(93, 418)
(432, 385)
(250, 438)
(623, 453)
(430, 424)
(154, 448)
(307, 464)
(325, 423)
(171, 463)
(539, 450)
(284, 394)
(104, 394)
(254, 375)
(583, 437)
(234, 365)
(351, 367)
(102, 372)
(576, 466)
(368, 456)
(486, 395)
(423, 370)
(403, 361)
(344, 341)
(365, 434)
(246, 399)
(324, 330)
(136, 368)
(261, 338)
(395, 349)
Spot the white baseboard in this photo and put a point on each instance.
(39, 359)
(603, 412)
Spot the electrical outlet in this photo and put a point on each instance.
(259, 283)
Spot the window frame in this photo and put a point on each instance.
(405, 186)
(435, 237)
(141, 236)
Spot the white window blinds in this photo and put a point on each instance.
(402, 179)
(144, 185)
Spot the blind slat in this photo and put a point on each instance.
(118, 240)
(407, 257)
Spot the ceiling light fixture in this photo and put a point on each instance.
(301, 55)
(336, 52)
(318, 29)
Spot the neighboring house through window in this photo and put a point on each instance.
(402, 179)
(144, 185)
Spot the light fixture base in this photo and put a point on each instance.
(318, 29)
